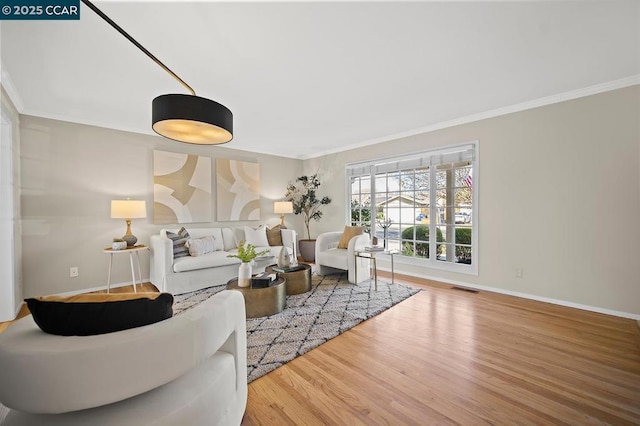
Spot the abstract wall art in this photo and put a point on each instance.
(181, 188)
(238, 190)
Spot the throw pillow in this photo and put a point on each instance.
(257, 237)
(179, 242)
(98, 313)
(202, 245)
(274, 236)
(348, 233)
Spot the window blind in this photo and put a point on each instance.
(413, 161)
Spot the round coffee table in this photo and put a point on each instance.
(297, 281)
(262, 302)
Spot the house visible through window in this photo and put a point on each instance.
(405, 201)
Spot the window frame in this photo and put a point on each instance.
(368, 168)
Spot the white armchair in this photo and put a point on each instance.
(331, 260)
(187, 370)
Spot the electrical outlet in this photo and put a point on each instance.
(519, 273)
(73, 271)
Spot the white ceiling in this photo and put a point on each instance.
(308, 78)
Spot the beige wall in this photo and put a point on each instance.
(70, 172)
(559, 197)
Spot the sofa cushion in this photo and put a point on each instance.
(257, 237)
(209, 260)
(217, 234)
(98, 313)
(274, 235)
(202, 245)
(348, 233)
(229, 239)
(179, 242)
(206, 232)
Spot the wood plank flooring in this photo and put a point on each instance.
(446, 356)
(450, 357)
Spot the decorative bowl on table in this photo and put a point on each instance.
(119, 245)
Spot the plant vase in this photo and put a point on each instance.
(244, 274)
(307, 250)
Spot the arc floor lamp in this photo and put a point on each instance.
(183, 118)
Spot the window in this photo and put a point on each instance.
(361, 202)
(404, 201)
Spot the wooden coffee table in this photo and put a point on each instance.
(262, 302)
(297, 281)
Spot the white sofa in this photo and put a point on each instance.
(330, 259)
(190, 369)
(185, 274)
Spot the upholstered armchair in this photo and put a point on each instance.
(190, 369)
(331, 260)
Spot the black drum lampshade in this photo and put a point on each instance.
(192, 119)
(183, 118)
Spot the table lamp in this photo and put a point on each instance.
(282, 207)
(128, 209)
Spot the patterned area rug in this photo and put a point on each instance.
(332, 307)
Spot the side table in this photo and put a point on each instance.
(262, 302)
(298, 281)
(371, 254)
(135, 249)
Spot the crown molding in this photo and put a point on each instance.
(7, 83)
(10, 88)
(548, 100)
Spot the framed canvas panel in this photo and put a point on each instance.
(238, 190)
(181, 188)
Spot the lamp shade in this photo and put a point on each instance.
(128, 209)
(283, 207)
(192, 119)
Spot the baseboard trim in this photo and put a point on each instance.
(99, 288)
(17, 312)
(524, 295)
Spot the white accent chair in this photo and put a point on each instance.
(190, 369)
(331, 260)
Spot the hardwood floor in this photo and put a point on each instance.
(450, 357)
(447, 356)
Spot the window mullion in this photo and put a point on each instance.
(433, 211)
(372, 203)
(450, 215)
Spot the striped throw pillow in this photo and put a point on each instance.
(179, 242)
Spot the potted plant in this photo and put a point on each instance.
(303, 194)
(246, 256)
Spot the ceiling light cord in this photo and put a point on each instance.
(138, 45)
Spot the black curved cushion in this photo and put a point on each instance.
(90, 314)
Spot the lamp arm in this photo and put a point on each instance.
(138, 45)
